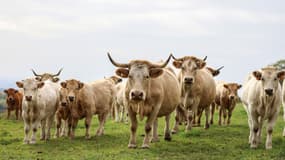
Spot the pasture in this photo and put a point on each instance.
(219, 142)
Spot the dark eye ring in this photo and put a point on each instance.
(275, 79)
(147, 77)
(262, 79)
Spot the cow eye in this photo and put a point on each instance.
(262, 79)
(146, 77)
(275, 79)
(183, 68)
(130, 76)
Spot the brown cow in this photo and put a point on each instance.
(197, 88)
(150, 91)
(14, 102)
(87, 99)
(63, 114)
(226, 98)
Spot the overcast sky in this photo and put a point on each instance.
(242, 35)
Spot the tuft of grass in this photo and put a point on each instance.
(218, 142)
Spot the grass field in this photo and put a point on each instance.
(219, 142)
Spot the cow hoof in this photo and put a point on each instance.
(268, 146)
(87, 137)
(207, 126)
(253, 146)
(33, 142)
(174, 131)
(132, 146)
(26, 141)
(153, 140)
(211, 122)
(168, 138)
(145, 146)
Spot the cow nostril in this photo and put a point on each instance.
(71, 98)
(269, 92)
(132, 94)
(141, 94)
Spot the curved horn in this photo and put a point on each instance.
(122, 65)
(205, 58)
(176, 59)
(220, 68)
(35, 73)
(163, 64)
(58, 73)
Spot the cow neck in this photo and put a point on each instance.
(268, 102)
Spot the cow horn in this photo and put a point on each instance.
(122, 65)
(220, 68)
(35, 73)
(163, 64)
(205, 58)
(58, 73)
(176, 59)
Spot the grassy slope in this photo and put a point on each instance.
(227, 142)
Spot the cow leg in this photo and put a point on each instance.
(270, 125)
(64, 128)
(229, 116)
(58, 126)
(261, 120)
(220, 116)
(284, 117)
(199, 115)
(27, 130)
(167, 135)
(117, 112)
(17, 114)
(87, 126)
(177, 120)
(190, 116)
(8, 115)
(73, 126)
(134, 125)
(69, 123)
(212, 113)
(43, 125)
(207, 114)
(250, 125)
(102, 119)
(34, 126)
(49, 124)
(154, 131)
(255, 129)
(122, 113)
(224, 115)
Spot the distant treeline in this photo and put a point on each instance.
(2, 101)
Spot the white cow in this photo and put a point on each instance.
(262, 99)
(120, 103)
(39, 105)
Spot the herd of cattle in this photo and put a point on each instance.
(150, 90)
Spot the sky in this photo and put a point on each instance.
(242, 35)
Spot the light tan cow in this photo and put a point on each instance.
(262, 99)
(39, 107)
(283, 91)
(87, 99)
(226, 98)
(119, 104)
(150, 91)
(197, 88)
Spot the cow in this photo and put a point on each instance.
(47, 76)
(197, 88)
(87, 99)
(262, 99)
(14, 102)
(39, 107)
(63, 114)
(119, 105)
(151, 91)
(226, 98)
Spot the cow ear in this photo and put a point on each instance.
(177, 64)
(41, 84)
(226, 86)
(239, 86)
(63, 84)
(281, 75)
(38, 78)
(80, 85)
(55, 79)
(122, 72)
(20, 84)
(6, 91)
(257, 75)
(155, 72)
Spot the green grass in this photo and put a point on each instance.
(219, 142)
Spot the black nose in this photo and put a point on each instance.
(188, 80)
(232, 97)
(10, 99)
(71, 98)
(137, 95)
(28, 98)
(269, 92)
(63, 104)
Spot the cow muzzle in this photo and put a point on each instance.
(64, 104)
(28, 98)
(188, 80)
(232, 97)
(269, 92)
(71, 98)
(137, 95)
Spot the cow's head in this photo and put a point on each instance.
(11, 95)
(189, 66)
(269, 78)
(115, 79)
(47, 76)
(139, 74)
(72, 88)
(232, 90)
(63, 94)
(214, 72)
(30, 87)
